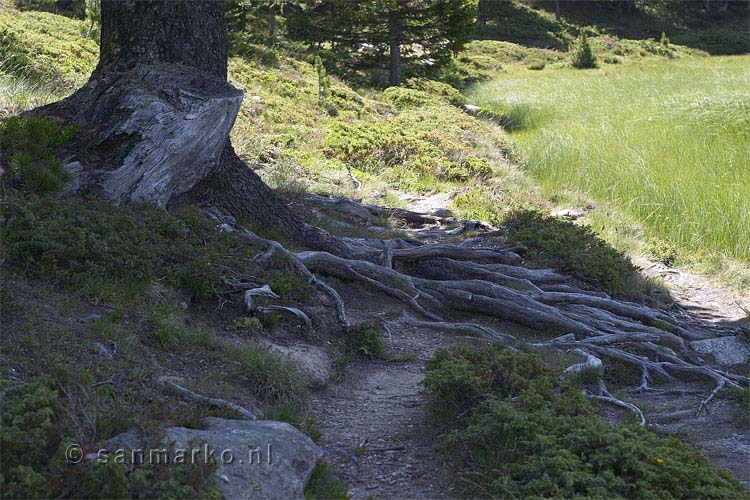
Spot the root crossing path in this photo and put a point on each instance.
(436, 285)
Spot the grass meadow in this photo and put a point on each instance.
(668, 142)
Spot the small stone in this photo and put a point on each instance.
(472, 109)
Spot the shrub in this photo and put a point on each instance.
(29, 437)
(576, 250)
(33, 436)
(324, 485)
(27, 149)
(512, 434)
(581, 55)
(267, 374)
(90, 244)
(366, 339)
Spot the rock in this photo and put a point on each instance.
(313, 361)
(569, 213)
(472, 109)
(377, 229)
(726, 351)
(442, 212)
(282, 457)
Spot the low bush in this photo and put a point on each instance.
(366, 339)
(85, 244)
(324, 485)
(27, 150)
(34, 435)
(573, 249)
(510, 431)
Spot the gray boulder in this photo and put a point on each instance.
(726, 351)
(257, 459)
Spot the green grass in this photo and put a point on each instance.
(667, 142)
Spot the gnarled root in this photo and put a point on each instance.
(433, 280)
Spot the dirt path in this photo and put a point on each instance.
(375, 421)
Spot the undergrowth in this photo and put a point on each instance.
(509, 429)
(90, 246)
(34, 436)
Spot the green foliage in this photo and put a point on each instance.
(82, 243)
(296, 414)
(664, 40)
(716, 41)
(94, 18)
(431, 30)
(34, 434)
(366, 339)
(581, 55)
(46, 47)
(168, 328)
(267, 374)
(513, 435)
(29, 437)
(324, 81)
(288, 285)
(576, 250)
(459, 378)
(28, 147)
(325, 485)
(254, 325)
(415, 145)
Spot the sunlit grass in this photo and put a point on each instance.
(668, 142)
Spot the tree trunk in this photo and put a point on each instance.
(557, 10)
(482, 14)
(394, 34)
(272, 26)
(156, 114)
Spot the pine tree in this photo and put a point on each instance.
(581, 55)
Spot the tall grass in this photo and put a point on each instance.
(667, 141)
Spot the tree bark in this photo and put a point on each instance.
(272, 26)
(156, 114)
(145, 31)
(482, 14)
(557, 10)
(394, 34)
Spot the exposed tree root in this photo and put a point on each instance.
(218, 402)
(435, 280)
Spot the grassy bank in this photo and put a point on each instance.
(668, 142)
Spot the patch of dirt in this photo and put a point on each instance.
(375, 421)
(698, 295)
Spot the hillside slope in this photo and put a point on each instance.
(106, 308)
